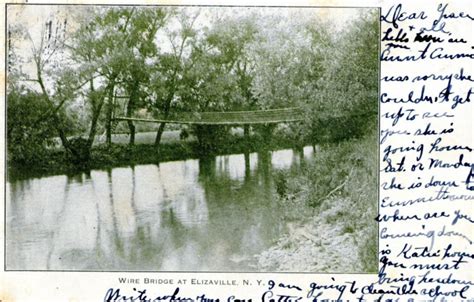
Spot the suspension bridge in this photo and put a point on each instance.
(269, 116)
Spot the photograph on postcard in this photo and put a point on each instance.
(192, 138)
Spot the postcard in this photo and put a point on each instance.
(237, 151)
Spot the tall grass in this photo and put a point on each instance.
(339, 187)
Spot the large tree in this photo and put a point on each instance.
(163, 61)
(168, 76)
(219, 74)
(53, 84)
(343, 103)
(140, 47)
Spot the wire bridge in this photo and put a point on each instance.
(269, 116)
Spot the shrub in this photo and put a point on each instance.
(28, 134)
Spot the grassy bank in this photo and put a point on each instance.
(332, 203)
(55, 161)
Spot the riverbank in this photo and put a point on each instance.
(332, 203)
(118, 154)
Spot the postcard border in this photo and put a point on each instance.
(5, 270)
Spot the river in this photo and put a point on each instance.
(211, 214)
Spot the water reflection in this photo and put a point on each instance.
(208, 214)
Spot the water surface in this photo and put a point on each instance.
(211, 214)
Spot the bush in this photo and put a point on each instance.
(211, 138)
(28, 134)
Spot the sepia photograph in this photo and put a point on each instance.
(191, 138)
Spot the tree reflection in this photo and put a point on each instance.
(209, 214)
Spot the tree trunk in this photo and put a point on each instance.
(97, 104)
(246, 131)
(130, 109)
(161, 128)
(159, 134)
(110, 108)
(267, 135)
(62, 135)
(93, 129)
(131, 128)
(167, 108)
(247, 165)
(57, 121)
(247, 137)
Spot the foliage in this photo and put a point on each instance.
(338, 189)
(162, 61)
(28, 134)
(344, 101)
(89, 65)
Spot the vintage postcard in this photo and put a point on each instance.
(211, 151)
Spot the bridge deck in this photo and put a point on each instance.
(270, 116)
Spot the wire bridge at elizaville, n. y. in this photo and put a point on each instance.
(269, 116)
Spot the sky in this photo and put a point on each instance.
(33, 19)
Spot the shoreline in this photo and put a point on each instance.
(330, 213)
(119, 155)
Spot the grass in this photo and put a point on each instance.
(335, 193)
(119, 153)
(145, 138)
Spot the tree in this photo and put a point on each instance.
(344, 101)
(77, 72)
(219, 75)
(111, 51)
(169, 61)
(28, 137)
(139, 47)
(132, 40)
(232, 41)
(97, 64)
(54, 91)
(172, 65)
(287, 65)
